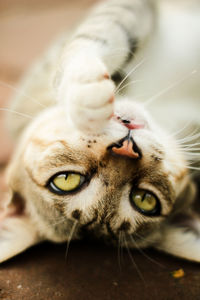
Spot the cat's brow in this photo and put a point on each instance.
(162, 183)
(63, 154)
(61, 159)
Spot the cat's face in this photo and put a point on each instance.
(68, 177)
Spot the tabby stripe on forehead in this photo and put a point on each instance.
(165, 187)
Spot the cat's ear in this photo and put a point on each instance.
(17, 232)
(181, 236)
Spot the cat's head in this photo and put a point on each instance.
(125, 179)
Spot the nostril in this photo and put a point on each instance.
(126, 121)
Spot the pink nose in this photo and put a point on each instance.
(126, 149)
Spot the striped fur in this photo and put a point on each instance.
(76, 123)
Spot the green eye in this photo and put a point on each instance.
(145, 202)
(66, 182)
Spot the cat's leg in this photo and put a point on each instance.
(181, 237)
(102, 45)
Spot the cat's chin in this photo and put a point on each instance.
(127, 114)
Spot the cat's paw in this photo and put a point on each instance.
(90, 105)
(88, 94)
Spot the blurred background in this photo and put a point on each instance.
(26, 29)
(91, 271)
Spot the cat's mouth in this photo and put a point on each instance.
(129, 123)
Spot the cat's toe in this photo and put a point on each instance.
(87, 92)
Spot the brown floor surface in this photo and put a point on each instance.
(91, 271)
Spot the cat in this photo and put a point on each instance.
(98, 148)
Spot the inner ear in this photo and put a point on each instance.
(17, 205)
(17, 231)
(13, 206)
(181, 236)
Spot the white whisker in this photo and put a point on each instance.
(191, 154)
(189, 138)
(189, 149)
(144, 254)
(170, 87)
(129, 73)
(16, 112)
(190, 145)
(57, 222)
(133, 261)
(188, 166)
(70, 238)
(181, 129)
(20, 92)
(119, 250)
(145, 239)
(124, 86)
